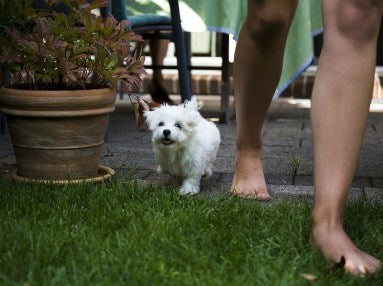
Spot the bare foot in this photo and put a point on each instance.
(337, 247)
(249, 180)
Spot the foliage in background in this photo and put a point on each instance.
(47, 49)
(10, 14)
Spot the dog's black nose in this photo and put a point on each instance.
(166, 132)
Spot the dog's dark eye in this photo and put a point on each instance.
(161, 124)
(177, 125)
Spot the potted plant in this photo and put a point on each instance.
(65, 68)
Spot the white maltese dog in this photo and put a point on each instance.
(185, 144)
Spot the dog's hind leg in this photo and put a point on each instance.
(208, 171)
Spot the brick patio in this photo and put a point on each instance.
(287, 152)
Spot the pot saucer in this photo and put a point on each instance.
(104, 174)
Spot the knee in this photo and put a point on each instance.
(359, 20)
(267, 25)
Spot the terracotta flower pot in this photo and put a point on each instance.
(57, 135)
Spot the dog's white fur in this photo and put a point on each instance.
(188, 151)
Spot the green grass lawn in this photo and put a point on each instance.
(120, 234)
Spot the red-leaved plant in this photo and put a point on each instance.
(51, 50)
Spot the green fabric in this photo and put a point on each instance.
(149, 19)
(299, 46)
(228, 15)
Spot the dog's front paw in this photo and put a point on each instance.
(188, 190)
(159, 170)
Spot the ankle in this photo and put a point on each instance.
(249, 147)
(326, 220)
(155, 85)
(246, 154)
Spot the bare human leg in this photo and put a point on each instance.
(257, 68)
(341, 99)
(158, 50)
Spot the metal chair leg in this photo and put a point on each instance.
(225, 80)
(187, 36)
(180, 50)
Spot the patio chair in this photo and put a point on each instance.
(161, 27)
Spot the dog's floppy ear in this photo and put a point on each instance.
(192, 104)
(192, 119)
(192, 116)
(150, 119)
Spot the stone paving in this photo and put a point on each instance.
(287, 140)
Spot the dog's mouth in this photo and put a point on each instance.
(167, 141)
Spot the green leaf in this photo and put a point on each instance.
(112, 61)
(15, 66)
